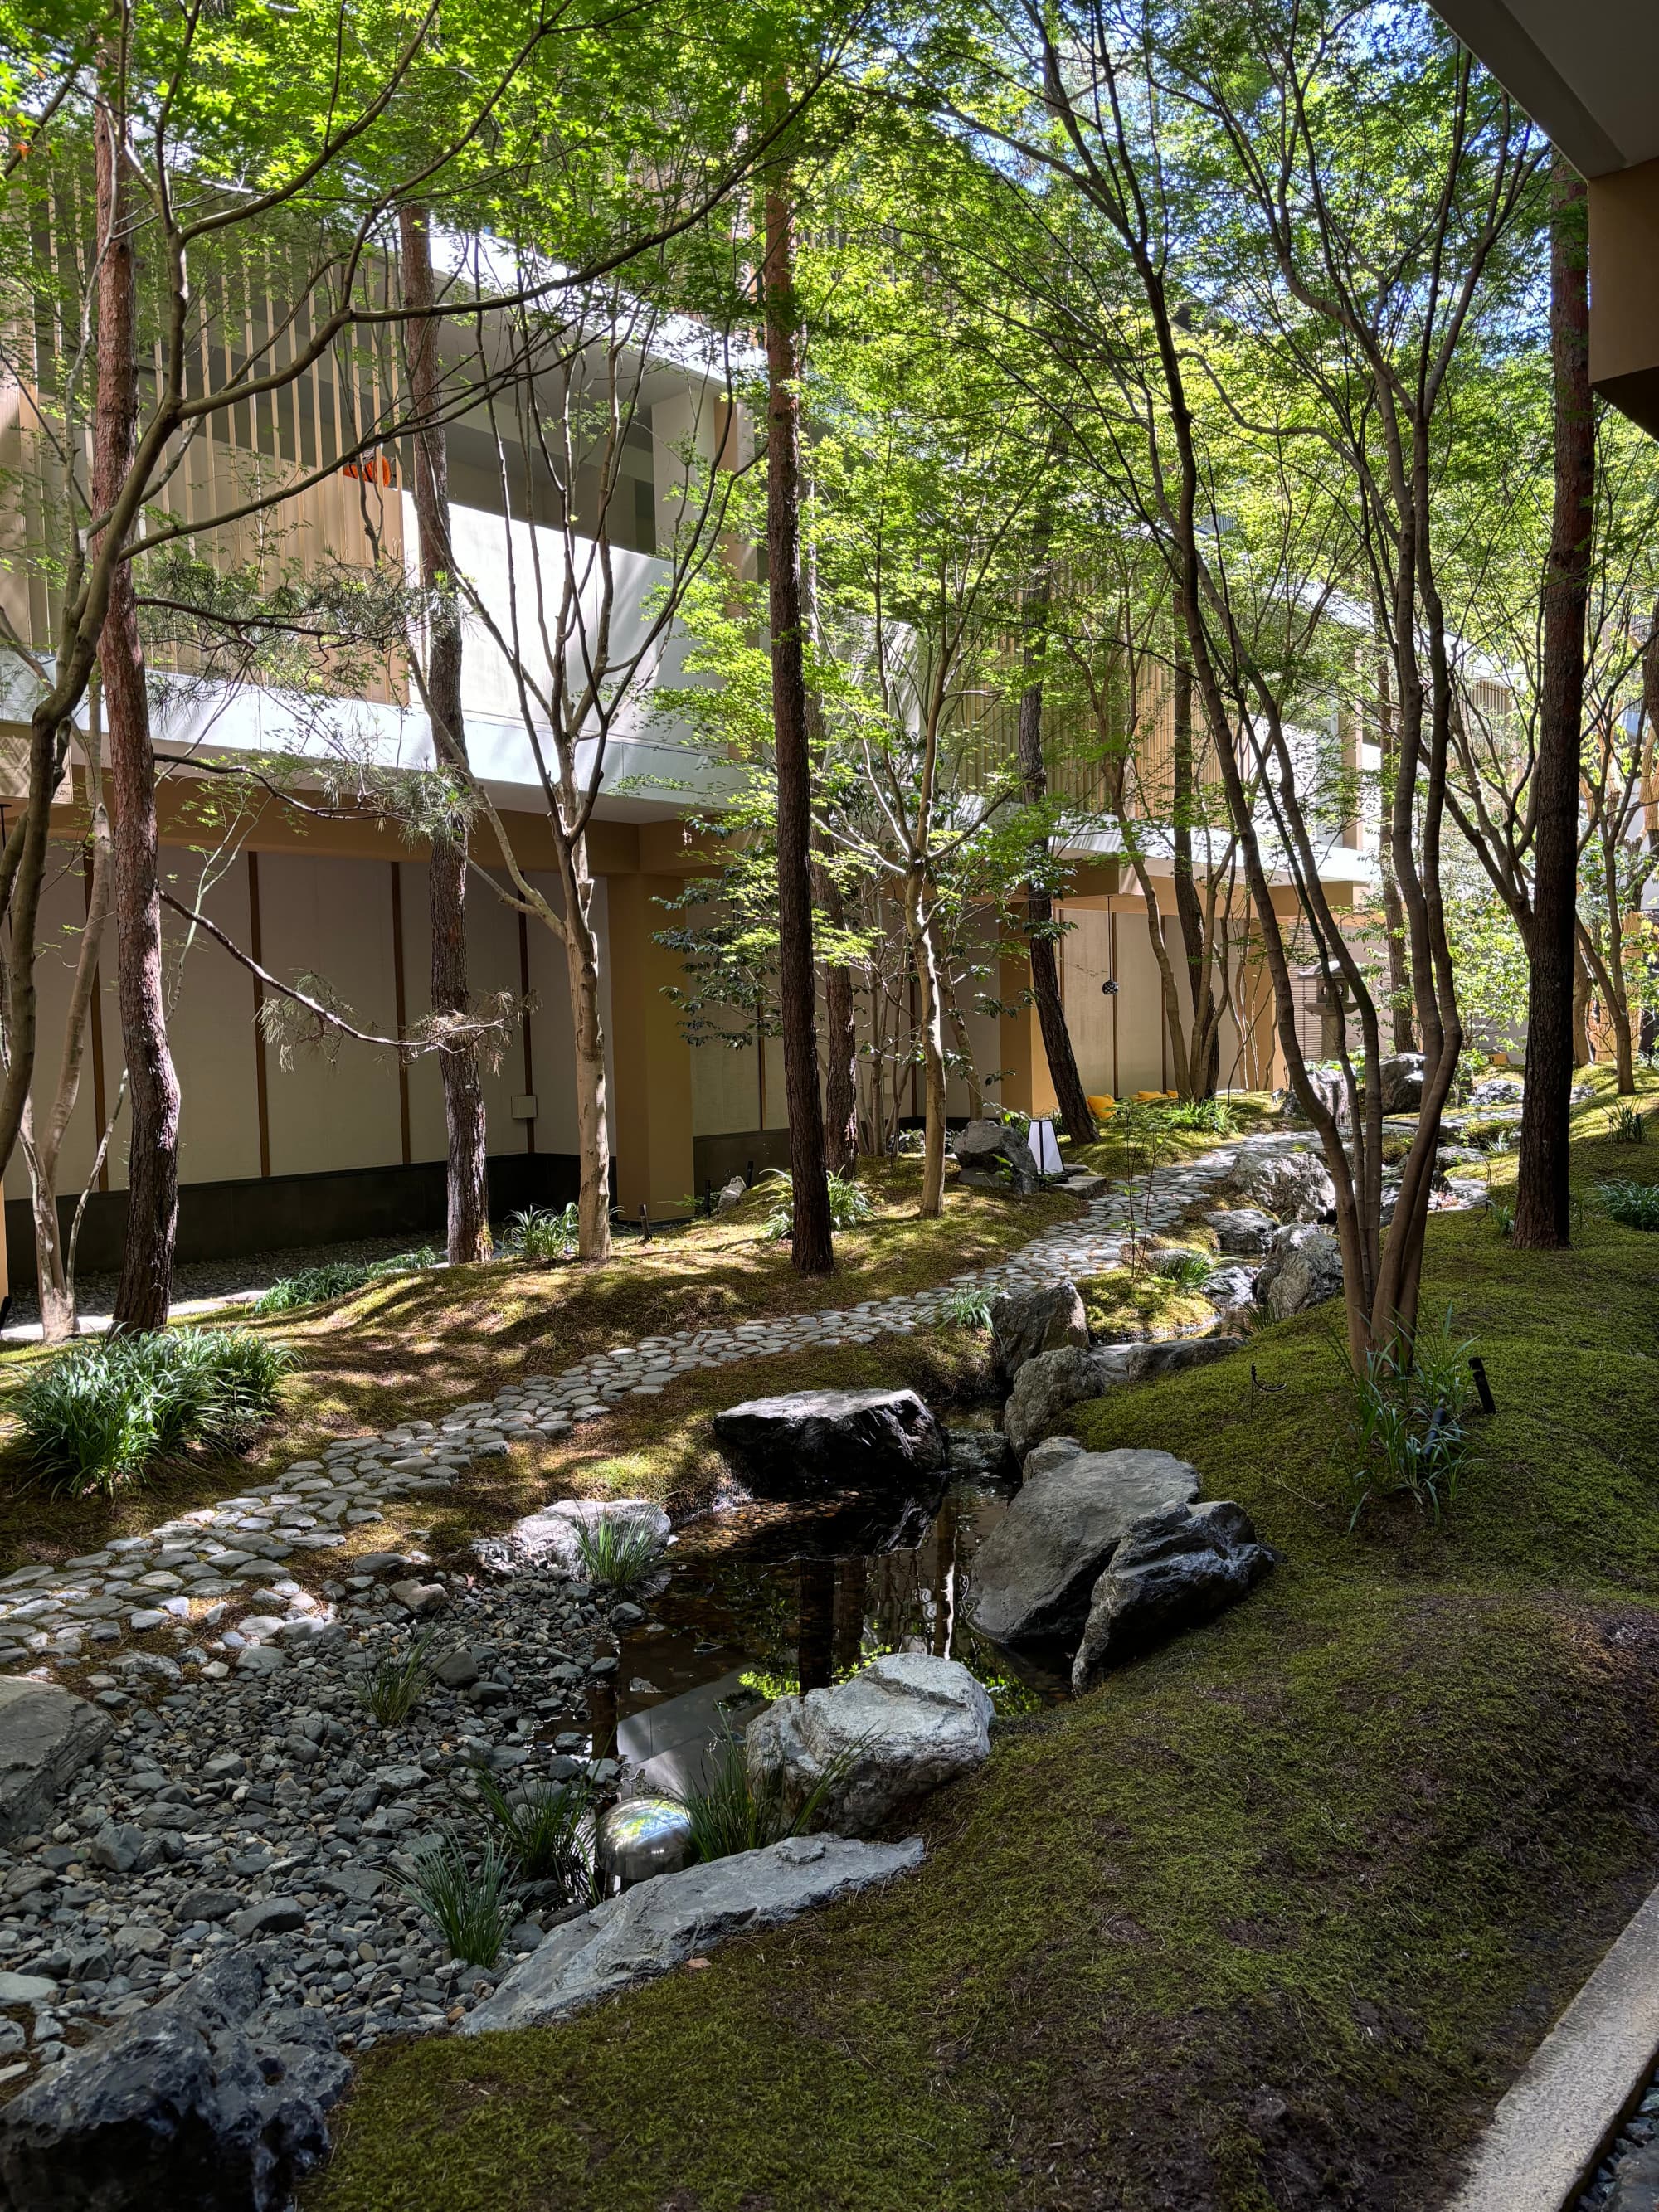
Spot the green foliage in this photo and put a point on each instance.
(1628, 1126)
(1406, 1437)
(337, 1279)
(542, 1234)
(1213, 1115)
(965, 1305)
(849, 1205)
(618, 1554)
(1503, 1217)
(728, 1814)
(397, 1682)
(464, 1894)
(1190, 1272)
(545, 1830)
(1635, 1205)
(102, 1412)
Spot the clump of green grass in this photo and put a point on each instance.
(1635, 1205)
(396, 1682)
(1628, 1126)
(1406, 1434)
(546, 1831)
(1187, 1269)
(337, 1279)
(966, 1306)
(728, 1814)
(101, 1414)
(618, 1554)
(463, 1896)
(541, 1234)
(850, 1204)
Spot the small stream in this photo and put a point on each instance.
(767, 1599)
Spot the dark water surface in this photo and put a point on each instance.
(772, 1598)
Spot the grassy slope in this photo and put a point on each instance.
(1267, 1921)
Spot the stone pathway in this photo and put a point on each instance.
(256, 1804)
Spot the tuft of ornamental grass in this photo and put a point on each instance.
(396, 1682)
(465, 1897)
(849, 1205)
(967, 1306)
(546, 1832)
(311, 1286)
(617, 1555)
(1628, 1126)
(728, 1814)
(1634, 1204)
(541, 1234)
(103, 1412)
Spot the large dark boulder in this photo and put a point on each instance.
(1175, 1569)
(1026, 1322)
(1303, 1268)
(990, 1154)
(1400, 1079)
(1048, 1388)
(1033, 1575)
(194, 2105)
(817, 1440)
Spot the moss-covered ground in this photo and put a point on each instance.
(1268, 1921)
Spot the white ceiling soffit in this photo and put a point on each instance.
(1588, 70)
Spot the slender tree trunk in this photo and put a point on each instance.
(54, 1263)
(1542, 1211)
(931, 1025)
(1393, 915)
(1204, 1060)
(841, 1083)
(1079, 1121)
(146, 1284)
(592, 1121)
(467, 1184)
(1582, 1053)
(964, 1046)
(812, 1249)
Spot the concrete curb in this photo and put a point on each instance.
(1550, 2131)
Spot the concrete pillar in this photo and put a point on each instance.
(651, 1113)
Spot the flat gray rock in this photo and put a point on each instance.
(1034, 1573)
(1242, 1229)
(658, 1925)
(884, 1739)
(46, 1736)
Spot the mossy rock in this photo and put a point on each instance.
(1139, 1308)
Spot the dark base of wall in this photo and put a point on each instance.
(717, 1159)
(221, 1220)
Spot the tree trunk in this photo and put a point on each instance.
(1542, 1210)
(146, 1285)
(1078, 1120)
(588, 1027)
(1582, 1055)
(931, 1025)
(811, 1248)
(1204, 1060)
(467, 1185)
(841, 1084)
(1393, 915)
(54, 1263)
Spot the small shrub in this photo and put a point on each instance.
(966, 1307)
(1634, 1204)
(1406, 1437)
(1188, 1271)
(1628, 1126)
(311, 1286)
(100, 1413)
(850, 1204)
(541, 1234)
(396, 1682)
(617, 1555)
(1503, 1217)
(729, 1816)
(403, 1263)
(1213, 1115)
(466, 1901)
(547, 1833)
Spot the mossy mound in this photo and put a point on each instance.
(1134, 1308)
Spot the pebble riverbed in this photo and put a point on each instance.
(245, 1796)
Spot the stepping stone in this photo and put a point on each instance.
(46, 1736)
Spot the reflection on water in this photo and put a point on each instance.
(775, 1598)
